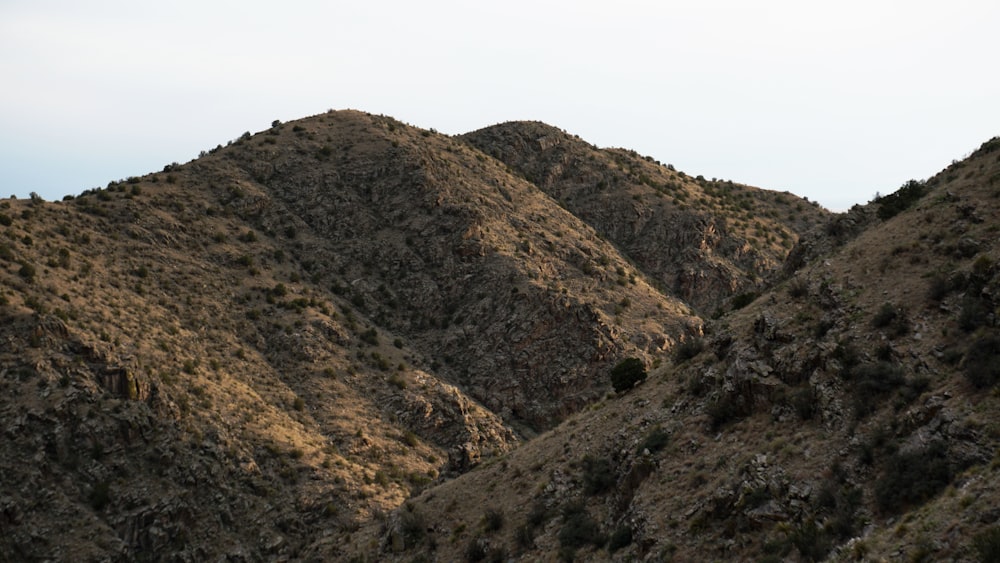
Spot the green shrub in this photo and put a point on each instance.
(627, 373)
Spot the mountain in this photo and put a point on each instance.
(848, 413)
(341, 337)
(701, 240)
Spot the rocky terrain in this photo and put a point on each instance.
(342, 337)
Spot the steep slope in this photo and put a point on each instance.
(701, 240)
(261, 349)
(849, 413)
(519, 301)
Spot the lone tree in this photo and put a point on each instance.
(627, 373)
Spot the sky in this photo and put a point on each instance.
(833, 101)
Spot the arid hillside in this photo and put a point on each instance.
(848, 414)
(701, 240)
(346, 338)
(257, 354)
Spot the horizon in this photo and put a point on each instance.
(834, 104)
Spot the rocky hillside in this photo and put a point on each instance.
(848, 414)
(701, 240)
(256, 354)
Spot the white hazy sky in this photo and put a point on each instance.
(830, 100)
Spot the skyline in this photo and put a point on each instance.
(833, 103)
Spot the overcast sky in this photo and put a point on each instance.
(833, 101)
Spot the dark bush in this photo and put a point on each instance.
(492, 520)
(579, 527)
(27, 271)
(656, 440)
(742, 300)
(798, 288)
(872, 382)
(804, 402)
(891, 317)
(982, 362)
(621, 537)
(910, 478)
(100, 495)
(475, 551)
(987, 545)
(724, 409)
(688, 349)
(902, 199)
(598, 475)
(812, 541)
(975, 313)
(627, 373)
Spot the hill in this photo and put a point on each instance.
(703, 241)
(325, 340)
(848, 414)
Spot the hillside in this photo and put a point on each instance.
(848, 413)
(701, 240)
(342, 337)
(304, 328)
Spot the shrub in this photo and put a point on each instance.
(598, 475)
(742, 300)
(475, 550)
(656, 440)
(798, 288)
(987, 545)
(627, 373)
(370, 337)
(975, 313)
(621, 537)
(871, 383)
(27, 271)
(982, 362)
(726, 408)
(100, 495)
(885, 315)
(579, 527)
(902, 199)
(688, 349)
(492, 520)
(913, 477)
